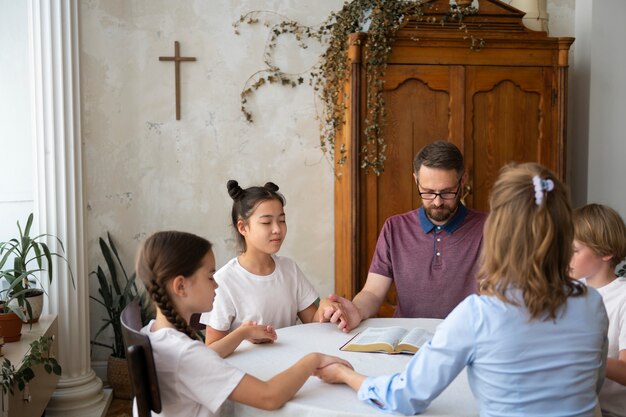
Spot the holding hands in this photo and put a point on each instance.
(340, 372)
(327, 361)
(340, 311)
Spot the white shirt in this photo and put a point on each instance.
(613, 394)
(515, 366)
(194, 381)
(273, 299)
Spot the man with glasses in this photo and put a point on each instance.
(431, 253)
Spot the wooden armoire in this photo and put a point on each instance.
(503, 103)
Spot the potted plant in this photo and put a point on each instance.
(11, 315)
(117, 289)
(29, 256)
(39, 354)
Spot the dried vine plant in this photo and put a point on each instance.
(381, 19)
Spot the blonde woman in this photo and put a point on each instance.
(533, 340)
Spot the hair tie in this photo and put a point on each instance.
(541, 186)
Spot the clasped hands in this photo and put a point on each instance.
(340, 311)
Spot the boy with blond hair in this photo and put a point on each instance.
(599, 246)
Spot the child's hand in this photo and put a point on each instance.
(327, 309)
(258, 333)
(335, 370)
(339, 311)
(327, 360)
(332, 374)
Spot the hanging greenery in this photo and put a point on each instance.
(381, 19)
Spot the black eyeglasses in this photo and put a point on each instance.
(446, 195)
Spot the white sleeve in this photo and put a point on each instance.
(306, 293)
(206, 378)
(223, 313)
(621, 327)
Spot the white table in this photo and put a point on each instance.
(319, 399)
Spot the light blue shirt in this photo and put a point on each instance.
(515, 367)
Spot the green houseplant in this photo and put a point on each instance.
(116, 289)
(39, 354)
(29, 256)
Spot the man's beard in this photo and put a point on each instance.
(444, 213)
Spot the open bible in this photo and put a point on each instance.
(388, 340)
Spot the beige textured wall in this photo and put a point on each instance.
(145, 171)
(561, 18)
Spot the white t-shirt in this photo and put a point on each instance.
(613, 394)
(273, 299)
(194, 381)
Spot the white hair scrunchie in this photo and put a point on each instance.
(541, 186)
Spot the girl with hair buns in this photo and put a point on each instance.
(599, 247)
(177, 269)
(533, 340)
(258, 286)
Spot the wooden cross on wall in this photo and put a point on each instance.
(177, 60)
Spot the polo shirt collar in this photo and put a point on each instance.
(452, 224)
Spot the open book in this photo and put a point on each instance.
(388, 340)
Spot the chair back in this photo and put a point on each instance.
(140, 360)
(194, 322)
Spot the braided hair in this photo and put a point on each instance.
(247, 200)
(163, 256)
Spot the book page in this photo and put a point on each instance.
(376, 338)
(414, 339)
(389, 335)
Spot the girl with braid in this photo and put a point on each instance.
(533, 340)
(177, 269)
(258, 286)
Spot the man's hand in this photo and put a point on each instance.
(341, 312)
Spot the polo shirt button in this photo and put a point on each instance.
(438, 240)
(438, 254)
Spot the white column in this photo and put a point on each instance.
(59, 197)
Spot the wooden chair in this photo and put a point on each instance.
(195, 324)
(141, 367)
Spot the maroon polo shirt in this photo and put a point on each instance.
(433, 267)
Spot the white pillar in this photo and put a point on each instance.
(59, 197)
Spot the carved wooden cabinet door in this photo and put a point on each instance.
(504, 103)
(510, 118)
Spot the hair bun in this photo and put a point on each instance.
(271, 186)
(234, 190)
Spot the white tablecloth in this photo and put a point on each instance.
(319, 399)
